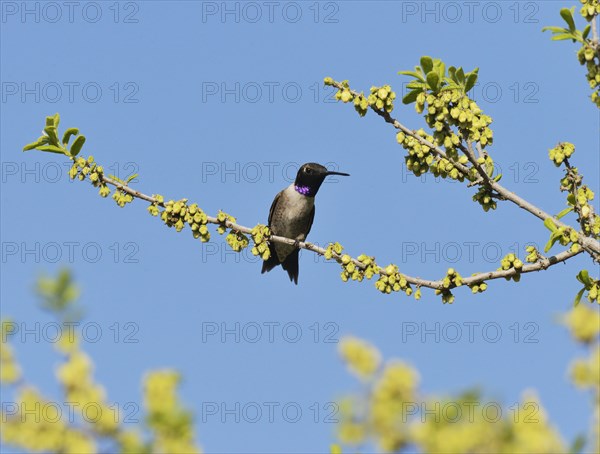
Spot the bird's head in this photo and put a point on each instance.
(310, 177)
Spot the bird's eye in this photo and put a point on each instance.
(308, 170)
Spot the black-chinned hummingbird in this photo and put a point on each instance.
(292, 214)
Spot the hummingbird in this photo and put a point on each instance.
(291, 216)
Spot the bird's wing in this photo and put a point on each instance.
(273, 205)
(310, 221)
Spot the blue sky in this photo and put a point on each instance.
(221, 107)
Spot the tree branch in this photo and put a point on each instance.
(590, 245)
(543, 263)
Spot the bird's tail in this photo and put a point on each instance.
(290, 264)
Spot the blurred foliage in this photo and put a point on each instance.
(390, 412)
(82, 420)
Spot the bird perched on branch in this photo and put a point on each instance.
(291, 216)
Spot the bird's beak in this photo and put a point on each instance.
(337, 173)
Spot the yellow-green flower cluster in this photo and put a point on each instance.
(351, 429)
(174, 213)
(9, 369)
(260, 235)
(453, 108)
(478, 288)
(34, 431)
(121, 197)
(585, 373)
(237, 240)
(178, 213)
(445, 168)
(361, 104)
(371, 267)
(594, 291)
(457, 429)
(587, 217)
(153, 207)
(595, 227)
(420, 156)
(381, 414)
(197, 219)
(382, 98)
(351, 271)
(568, 235)
(172, 424)
(361, 357)
(589, 53)
(512, 261)
(391, 280)
(223, 217)
(447, 296)
(344, 94)
(590, 9)
(590, 57)
(75, 375)
(395, 387)
(560, 152)
(583, 322)
(451, 280)
(333, 249)
(83, 168)
(484, 197)
(533, 254)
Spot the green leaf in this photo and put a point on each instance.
(471, 80)
(555, 29)
(563, 36)
(489, 169)
(132, 177)
(43, 140)
(564, 212)
(584, 277)
(553, 239)
(452, 73)
(433, 80)
(117, 179)
(51, 149)
(414, 74)
(586, 31)
(52, 134)
(415, 85)
(498, 177)
(31, 146)
(571, 199)
(441, 69)
(411, 97)
(68, 133)
(460, 75)
(76, 147)
(567, 15)
(549, 223)
(426, 64)
(577, 300)
(450, 86)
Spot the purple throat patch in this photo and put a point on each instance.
(304, 190)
